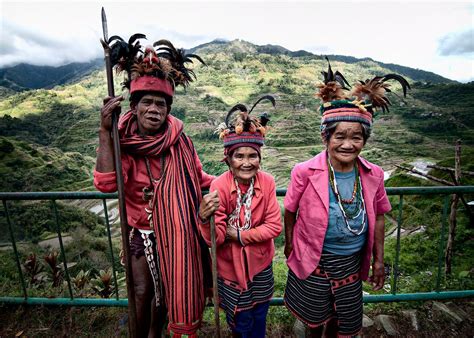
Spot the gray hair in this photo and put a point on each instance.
(328, 129)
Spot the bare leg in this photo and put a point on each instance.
(316, 332)
(158, 319)
(331, 328)
(144, 292)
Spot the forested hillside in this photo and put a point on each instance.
(424, 125)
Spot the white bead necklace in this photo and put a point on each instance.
(339, 202)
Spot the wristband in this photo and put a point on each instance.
(239, 238)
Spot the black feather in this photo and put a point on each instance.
(115, 37)
(264, 118)
(400, 79)
(135, 37)
(164, 42)
(196, 57)
(237, 107)
(265, 97)
(330, 74)
(341, 80)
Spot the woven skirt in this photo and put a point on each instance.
(333, 290)
(233, 300)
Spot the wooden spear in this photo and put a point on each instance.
(214, 277)
(132, 317)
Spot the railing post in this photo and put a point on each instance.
(17, 258)
(63, 253)
(441, 241)
(397, 252)
(106, 215)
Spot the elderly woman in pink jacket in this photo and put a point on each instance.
(334, 212)
(247, 219)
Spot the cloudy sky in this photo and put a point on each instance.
(436, 36)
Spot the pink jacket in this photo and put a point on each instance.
(235, 262)
(309, 195)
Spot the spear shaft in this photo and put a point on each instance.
(132, 322)
(214, 278)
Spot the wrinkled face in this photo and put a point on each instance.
(344, 145)
(151, 113)
(244, 164)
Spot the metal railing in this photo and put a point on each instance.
(123, 302)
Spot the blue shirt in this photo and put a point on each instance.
(339, 239)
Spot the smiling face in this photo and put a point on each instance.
(151, 110)
(344, 145)
(244, 164)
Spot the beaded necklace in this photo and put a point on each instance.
(246, 201)
(357, 198)
(149, 191)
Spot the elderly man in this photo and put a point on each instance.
(163, 178)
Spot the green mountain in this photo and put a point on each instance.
(240, 46)
(424, 125)
(24, 76)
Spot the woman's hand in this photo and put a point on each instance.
(231, 233)
(378, 272)
(111, 104)
(209, 205)
(378, 275)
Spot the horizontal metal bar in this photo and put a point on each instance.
(65, 301)
(277, 301)
(435, 190)
(403, 297)
(65, 195)
(56, 195)
(441, 190)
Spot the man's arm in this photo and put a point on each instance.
(105, 152)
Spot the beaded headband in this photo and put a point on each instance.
(244, 130)
(360, 104)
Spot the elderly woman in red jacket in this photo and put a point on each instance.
(247, 219)
(334, 213)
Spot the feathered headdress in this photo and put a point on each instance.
(244, 129)
(160, 67)
(358, 105)
(333, 86)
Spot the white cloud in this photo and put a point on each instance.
(458, 43)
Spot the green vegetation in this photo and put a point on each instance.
(30, 167)
(34, 221)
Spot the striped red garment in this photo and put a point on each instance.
(176, 200)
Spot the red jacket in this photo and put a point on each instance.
(237, 263)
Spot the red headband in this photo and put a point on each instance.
(151, 84)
